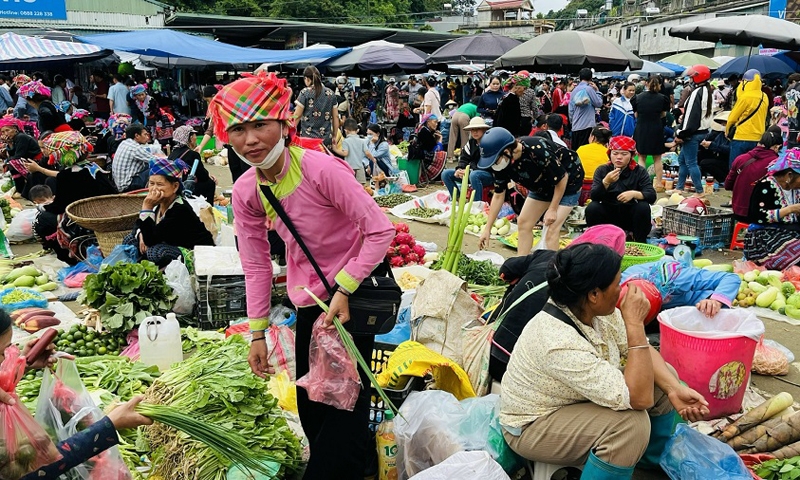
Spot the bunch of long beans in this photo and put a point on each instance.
(459, 218)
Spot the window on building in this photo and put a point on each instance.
(655, 32)
(664, 31)
(628, 33)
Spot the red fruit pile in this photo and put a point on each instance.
(404, 249)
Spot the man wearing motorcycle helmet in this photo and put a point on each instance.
(552, 175)
(696, 124)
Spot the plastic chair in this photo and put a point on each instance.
(545, 471)
(735, 242)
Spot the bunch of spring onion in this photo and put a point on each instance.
(355, 355)
(459, 218)
(226, 443)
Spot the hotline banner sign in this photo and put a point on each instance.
(34, 9)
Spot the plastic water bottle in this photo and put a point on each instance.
(387, 448)
(160, 341)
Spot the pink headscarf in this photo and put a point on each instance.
(609, 235)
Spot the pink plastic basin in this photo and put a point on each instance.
(719, 369)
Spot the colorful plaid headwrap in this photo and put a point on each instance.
(65, 148)
(21, 79)
(182, 134)
(32, 88)
(790, 159)
(64, 106)
(663, 274)
(622, 143)
(167, 167)
(117, 123)
(10, 121)
(137, 89)
(262, 96)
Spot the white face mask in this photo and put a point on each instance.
(270, 159)
(500, 164)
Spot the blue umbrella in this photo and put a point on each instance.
(769, 67)
(783, 57)
(678, 69)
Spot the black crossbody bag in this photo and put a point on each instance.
(376, 302)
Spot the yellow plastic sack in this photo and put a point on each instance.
(284, 389)
(416, 360)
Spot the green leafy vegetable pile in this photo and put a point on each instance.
(216, 386)
(473, 271)
(127, 293)
(788, 469)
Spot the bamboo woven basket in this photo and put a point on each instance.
(110, 217)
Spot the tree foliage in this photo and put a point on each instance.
(566, 15)
(389, 13)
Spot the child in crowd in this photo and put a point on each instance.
(41, 195)
(352, 149)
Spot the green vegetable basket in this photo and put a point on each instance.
(651, 254)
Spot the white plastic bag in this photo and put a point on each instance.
(728, 323)
(197, 203)
(476, 464)
(542, 244)
(21, 227)
(178, 278)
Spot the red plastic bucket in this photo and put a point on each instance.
(719, 369)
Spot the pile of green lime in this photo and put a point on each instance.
(83, 341)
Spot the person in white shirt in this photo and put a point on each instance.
(432, 102)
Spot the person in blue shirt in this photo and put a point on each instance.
(681, 286)
(377, 150)
(6, 101)
(583, 101)
(490, 100)
(621, 118)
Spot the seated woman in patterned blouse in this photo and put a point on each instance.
(566, 398)
(773, 238)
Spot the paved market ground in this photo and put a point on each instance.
(784, 333)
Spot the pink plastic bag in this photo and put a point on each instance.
(332, 378)
(280, 343)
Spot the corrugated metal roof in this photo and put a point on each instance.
(136, 7)
(272, 33)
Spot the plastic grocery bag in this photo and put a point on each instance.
(66, 408)
(728, 323)
(401, 331)
(122, 253)
(465, 465)
(690, 455)
(332, 378)
(178, 278)
(284, 389)
(769, 360)
(280, 344)
(21, 227)
(26, 444)
(436, 426)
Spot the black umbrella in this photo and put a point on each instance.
(569, 50)
(376, 57)
(750, 30)
(482, 48)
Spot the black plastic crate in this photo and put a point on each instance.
(220, 301)
(713, 229)
(380, 357)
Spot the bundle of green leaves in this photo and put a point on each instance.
(216, 386)
(127, 293)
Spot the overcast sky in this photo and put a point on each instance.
(545, 6)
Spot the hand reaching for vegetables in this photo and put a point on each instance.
(483, 241)
(124, 415)
(688, 403)
(259, 358)
(42, 360)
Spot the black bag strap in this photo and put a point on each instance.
(760, 101)
(753, 158)
(559, 314)
(276, 205)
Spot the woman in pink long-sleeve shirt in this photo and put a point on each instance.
(343, 228)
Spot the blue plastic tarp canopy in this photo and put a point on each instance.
(165, 43)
